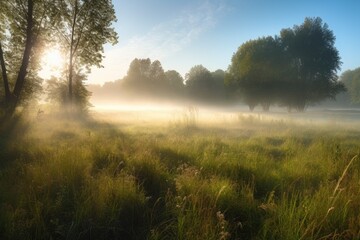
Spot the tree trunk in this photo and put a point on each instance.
(71, 57)
(20, 81)
(71, 80)
(265, 106)
(251, 107)
(4, 76)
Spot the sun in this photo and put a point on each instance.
(52, 63)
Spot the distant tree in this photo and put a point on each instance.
(351, 80)
(219, 87)
(57, 92)
(83, 28)
(257, 70)
(175, 82)
(146, 77)
(218, 77)
(314, 61)
(200, 83)
(138, 75)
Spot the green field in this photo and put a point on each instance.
(179, 175)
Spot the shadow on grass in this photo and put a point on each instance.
(11, 130)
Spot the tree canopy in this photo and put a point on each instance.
(351, 80)
(199, 83)
(257, 69)
(22, 25)
(175, 82)
(79, 27)
(315, 62)
(83, 27)
(145, 77)
(294, 70)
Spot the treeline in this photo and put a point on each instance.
(147, 80)
(295, 69)
(351, 80)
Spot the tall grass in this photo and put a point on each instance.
(252, 178)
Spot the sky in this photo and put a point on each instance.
(182, 34)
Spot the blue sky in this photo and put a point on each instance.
(181, 34)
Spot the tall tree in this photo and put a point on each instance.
(85, 26)
(257, 70)
(21, 26)
(315, 62)
(146, 77)
(297, 69)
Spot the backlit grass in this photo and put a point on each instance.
(141, 176)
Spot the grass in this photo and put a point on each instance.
(146, 177)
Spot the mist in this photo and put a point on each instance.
(265, 149)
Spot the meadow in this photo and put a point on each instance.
(182, 174)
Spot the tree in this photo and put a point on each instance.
(57, 92)
(24, 28)
(257, 70)
(199, 83)
(146, 77)
(219, 84)
(351, 80)
(295, 70)
(84, 26)
(16, 36)
(175, 82)
(314, 61)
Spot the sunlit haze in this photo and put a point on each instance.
(182, 34)
(210, 119)
(52, 63)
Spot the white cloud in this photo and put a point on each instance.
(161, 41)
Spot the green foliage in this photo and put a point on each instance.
(27, 27)
(257, 69)
(83, 27)
(147, 80)
(200, 83)
(22, 31)
(57, 92)
(175, 81)
(315, 61)
(351, 80)
(294, 70)
(221, 91)
(146, 77)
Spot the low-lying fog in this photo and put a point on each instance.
(201, 113)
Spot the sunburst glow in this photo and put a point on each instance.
(52, 63)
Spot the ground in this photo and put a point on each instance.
(182, 173)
